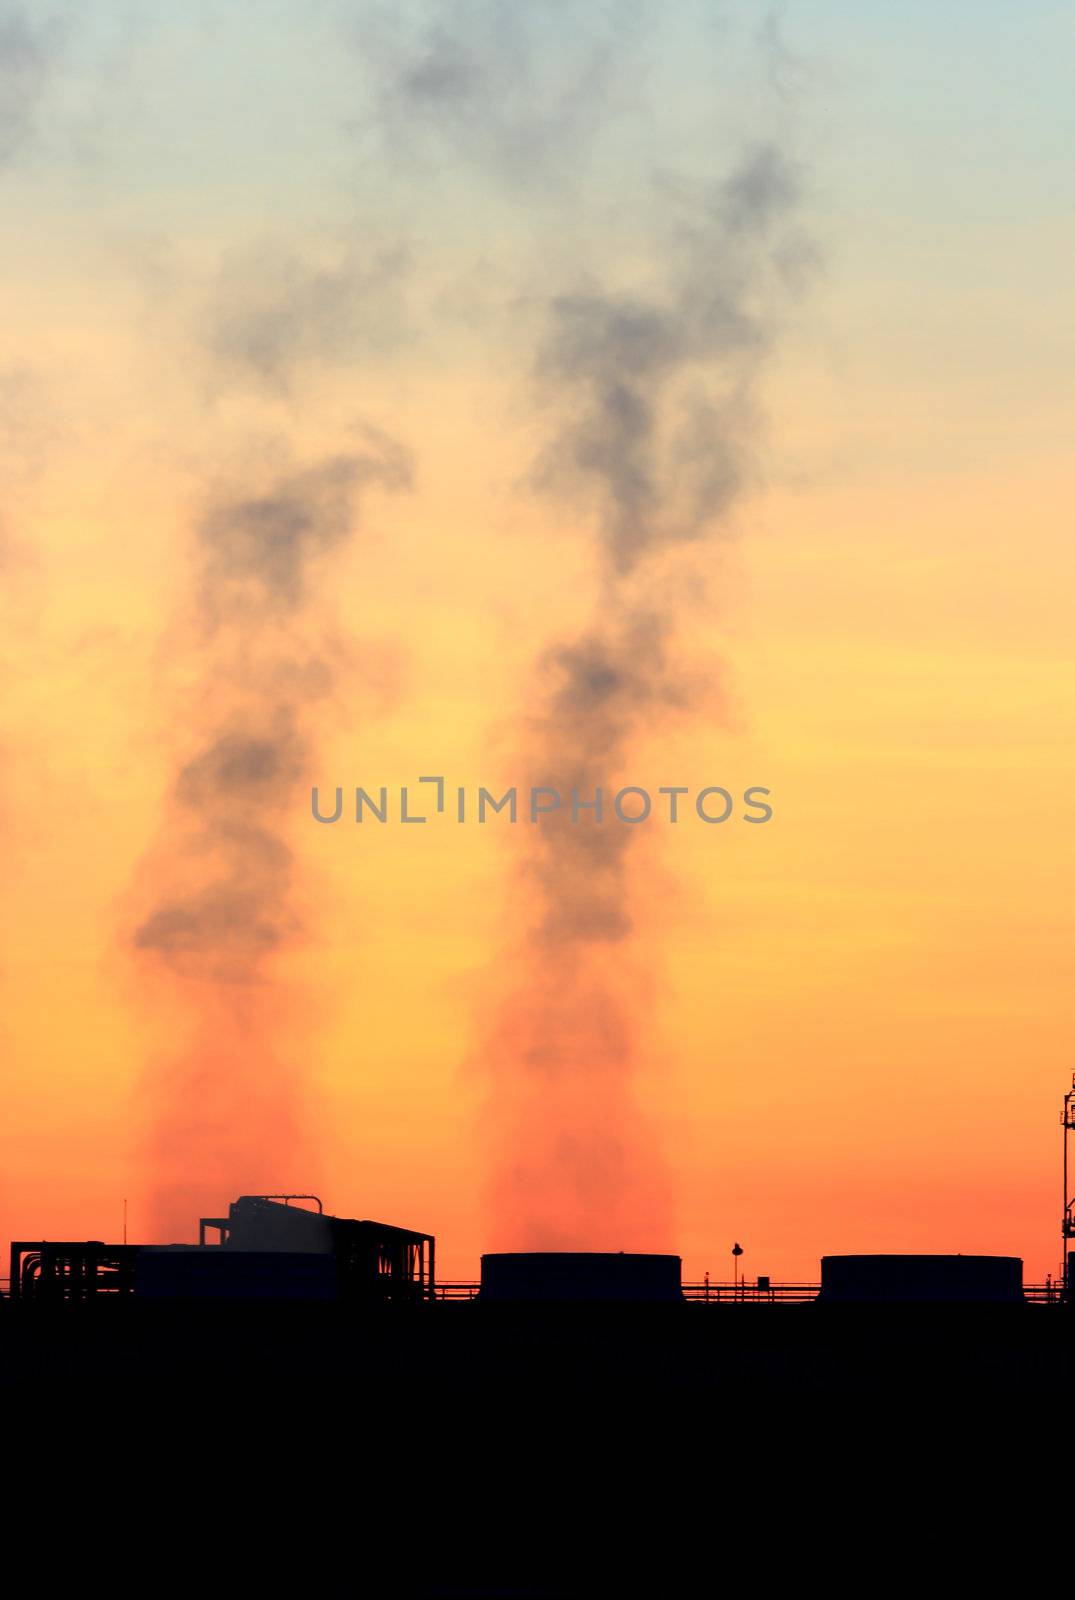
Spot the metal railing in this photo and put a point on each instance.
(745, 1293)
(1037, 1294)
(1041, 1294)
(708, 1293)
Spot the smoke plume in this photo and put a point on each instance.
(228, 1109)
(653, 426)
(28, 49)
(275, 315)
(513, 92)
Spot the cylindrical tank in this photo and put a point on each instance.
(580, 1275)
(937, 1280)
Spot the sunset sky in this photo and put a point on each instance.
(366, 368)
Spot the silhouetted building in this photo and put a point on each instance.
(266, 1249)
(199, 1272)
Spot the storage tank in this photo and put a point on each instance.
(937, 1280)
(581, 1276)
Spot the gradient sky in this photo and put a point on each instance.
(236, 236)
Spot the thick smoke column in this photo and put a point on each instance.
(655, 427)
(228, 1110)
(645, 375)
(656, 388)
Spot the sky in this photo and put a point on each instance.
(570, 394)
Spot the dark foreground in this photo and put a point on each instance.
(470, 1449)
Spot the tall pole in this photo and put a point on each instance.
(1067, 1223)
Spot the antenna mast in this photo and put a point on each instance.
(1067, 1225)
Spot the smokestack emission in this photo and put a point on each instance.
(654, 429)
(268, 331)
(228, 1110)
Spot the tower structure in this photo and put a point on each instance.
(1067, 1225)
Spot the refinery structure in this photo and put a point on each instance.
(285, 1248)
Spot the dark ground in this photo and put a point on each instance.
(470, 1449)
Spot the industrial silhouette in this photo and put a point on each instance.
(534, 1433)
(275, 1248)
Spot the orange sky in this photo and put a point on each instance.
(852, 1024)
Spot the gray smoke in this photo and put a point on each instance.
(645, 369)
(229, 1109)
(28, 49)
(654, 390)
(259, 558)
(260, 555)
(228, 923)
(653, 429)
(274, 314)
(513, 91)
